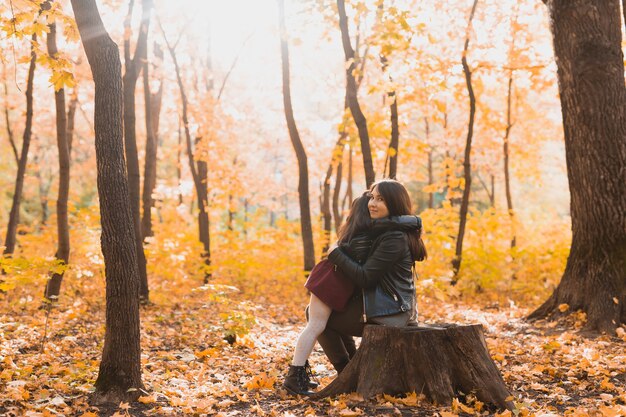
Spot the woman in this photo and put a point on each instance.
(386, 278)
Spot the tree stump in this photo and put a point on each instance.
(442, 362)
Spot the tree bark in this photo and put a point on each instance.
(303, 170)
(351, 92)
(505, 151)
(14, 215)
(71, 115)
(337, 215)
(467, 167)
(394, 143)
(152, 103)
(198, 174)
(590, 70)
(431, 195)
(7, 119)
(325, 208)
(443, 362)
(133, 67)
(349, 195)
(119, 376)
(53, 286)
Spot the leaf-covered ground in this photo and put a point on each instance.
(194, 364)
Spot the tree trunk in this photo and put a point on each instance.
(590, 69)
(351, 92)
(325, 208)
(231, 201)
(467, 167)
(505, 151)
(179, 162)
(152, 103)
(71, 115)
(303, 171)
(489, 189)
(14, 216)
(338, 216)
(348, 195)
(335, 160)
(443, 362)
(7, 119)
(198, 174)
(395, 136)
(119, 376)
(132, 69)
(45, 182)
(431, 195)
(53, 286)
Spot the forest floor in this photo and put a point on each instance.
(194, 365)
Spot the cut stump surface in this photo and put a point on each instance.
(441, 361)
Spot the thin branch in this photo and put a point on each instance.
(232, 66)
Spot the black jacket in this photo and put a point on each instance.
(386, 276)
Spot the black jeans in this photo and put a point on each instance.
(336, 339)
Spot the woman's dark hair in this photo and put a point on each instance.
(398, 203)
(357, 221)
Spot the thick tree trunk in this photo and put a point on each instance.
(14, 215)
(53, 286)
(351, 92)
(303, 170)
(132, 69)
(590, 69)
(505, 151)
(467, 166)
(119, 376)
(443, 362)
(198, 173)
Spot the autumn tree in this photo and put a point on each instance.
(467, 167)
(353, 101)
(303, 171)
(587, 46)
(133, 65)
(197, 166)
(119, 376)
(152, 104)
(53, 286)
(14, 215)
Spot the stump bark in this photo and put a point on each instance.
(442, 362)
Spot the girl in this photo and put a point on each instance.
(355, 239)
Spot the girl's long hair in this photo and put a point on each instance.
(358, 219)
(398, 203)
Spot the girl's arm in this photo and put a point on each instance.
(387, 252)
